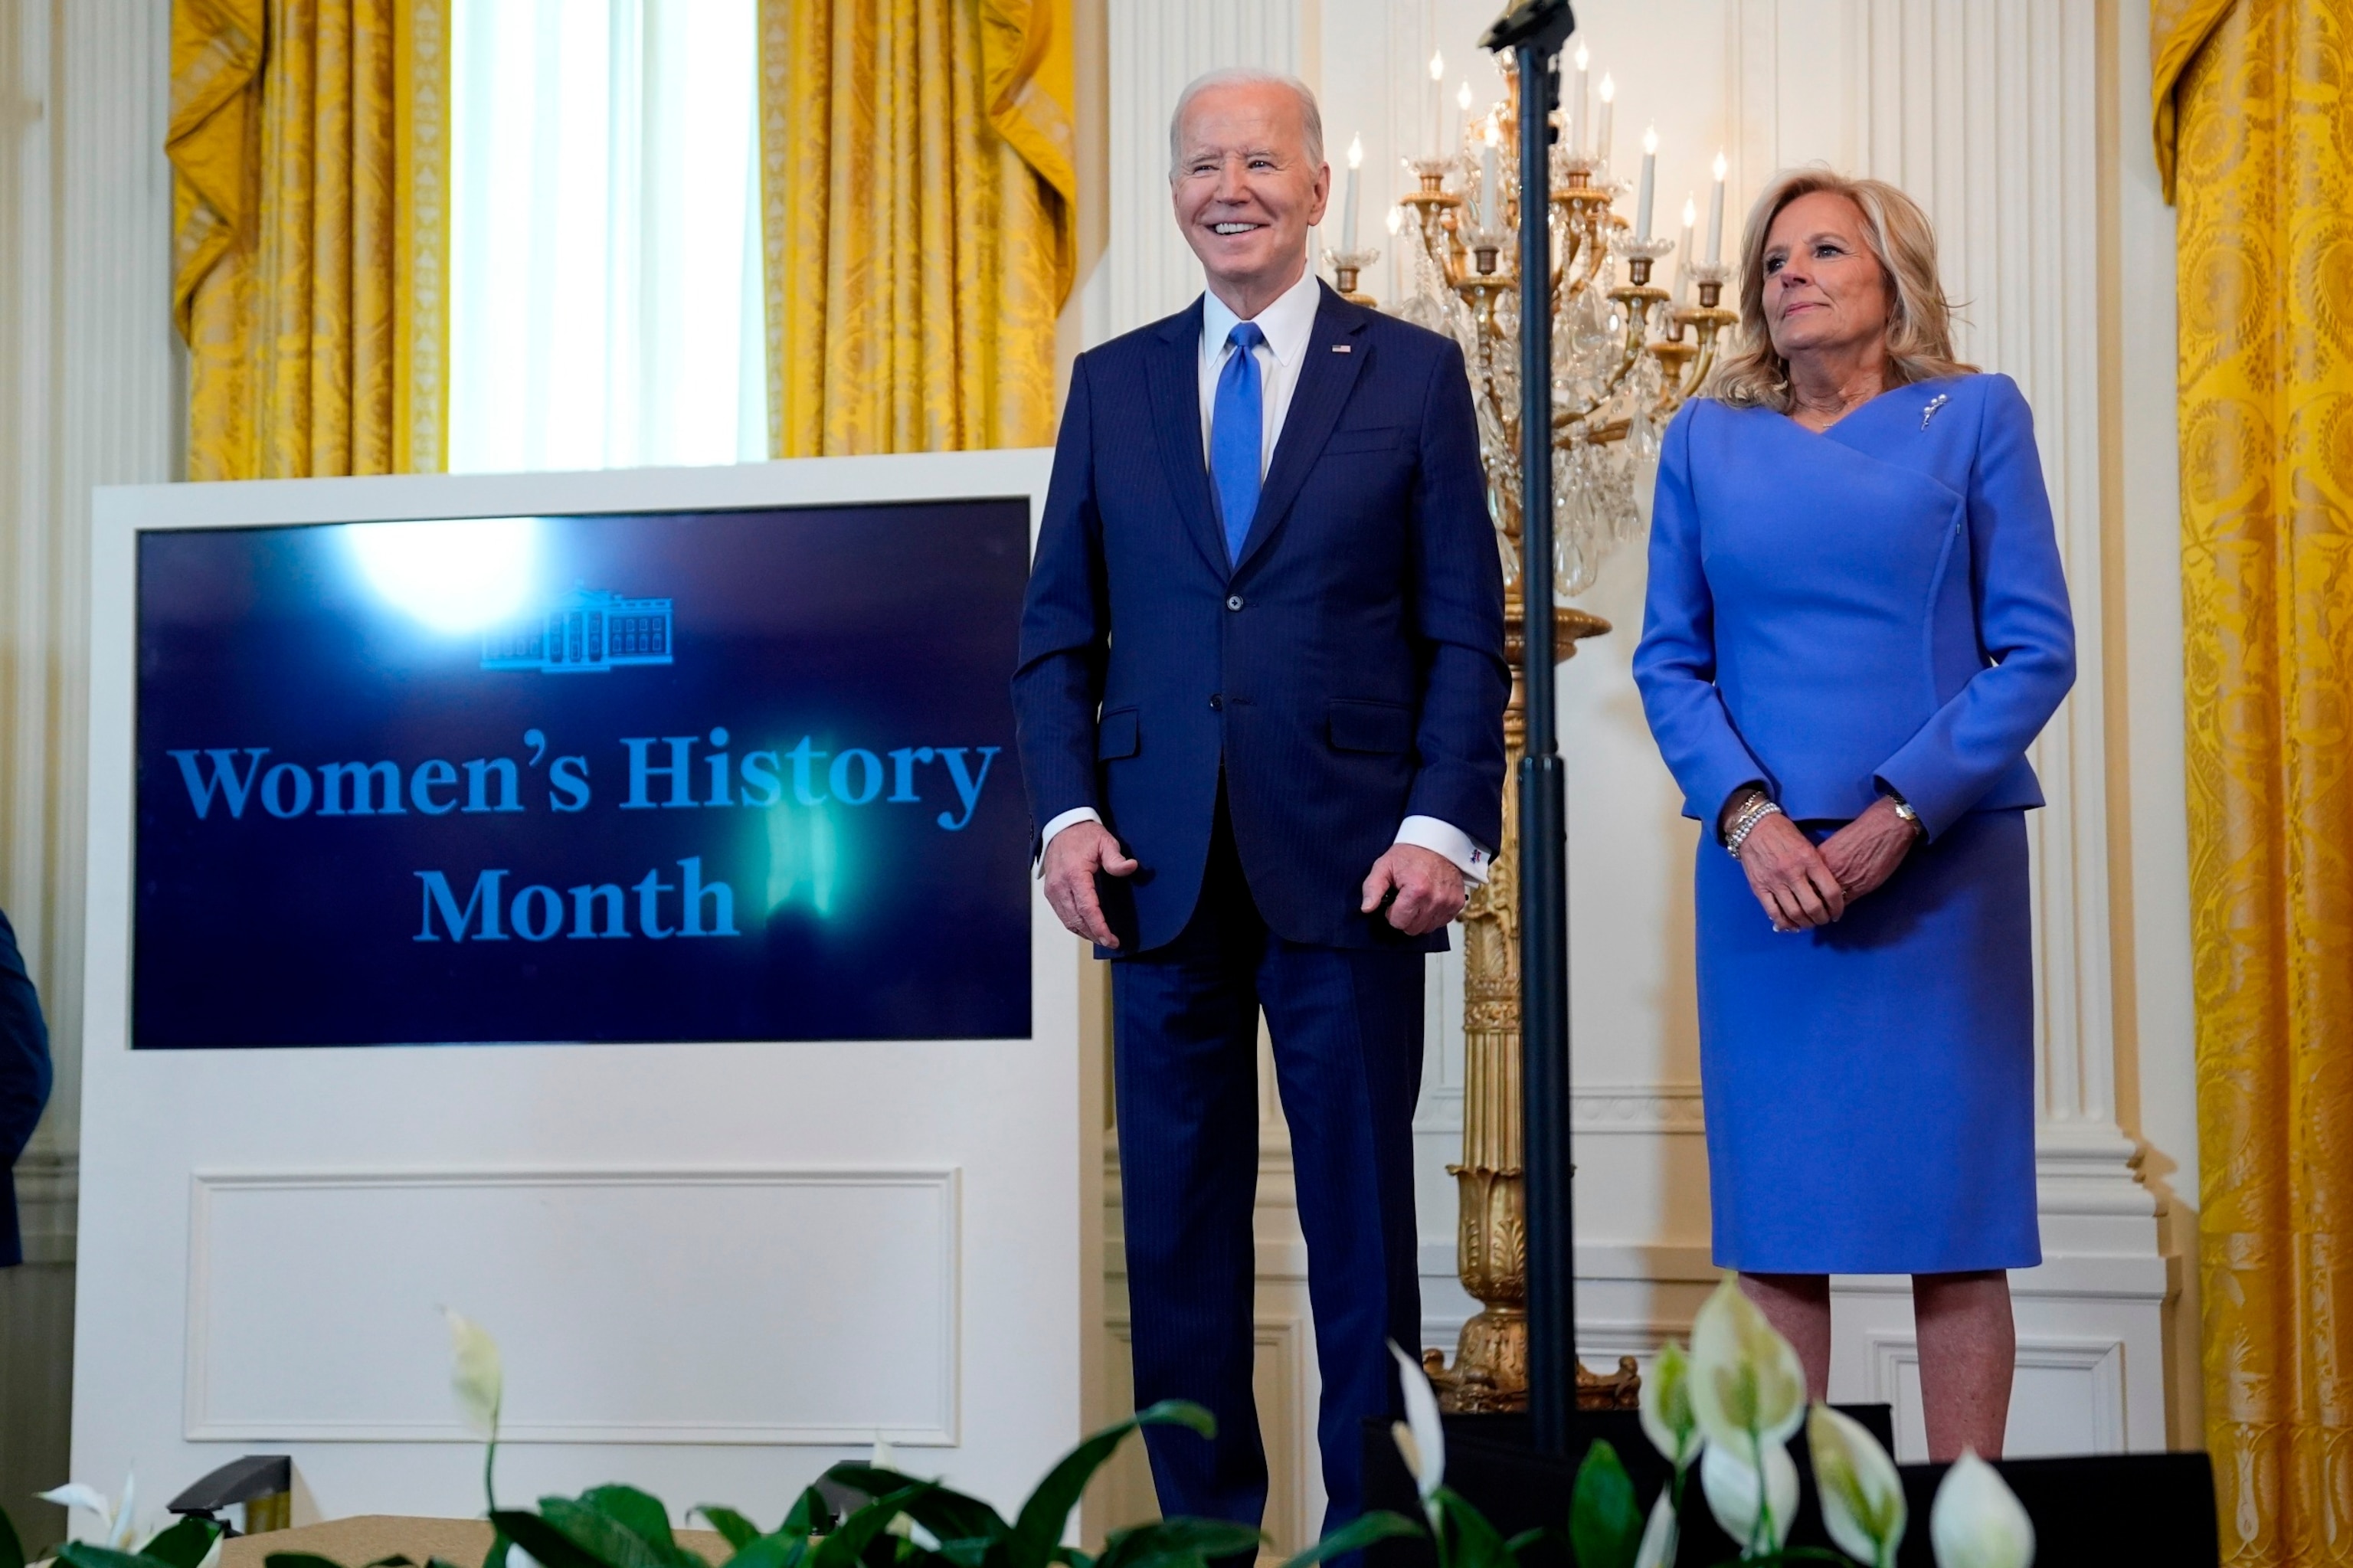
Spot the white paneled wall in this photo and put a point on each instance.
(1987, 111)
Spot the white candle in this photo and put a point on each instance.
(1684, 253)
(1576, 106)
(1491, 192)
(1609, 110)
(1348, 207)
(1437, 102)
(1649, 180)
(1461, 118)
(1716, 216)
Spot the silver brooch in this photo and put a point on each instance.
(1928, 413)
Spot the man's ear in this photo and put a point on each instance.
(1323, 193)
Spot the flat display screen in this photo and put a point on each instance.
(671, 777)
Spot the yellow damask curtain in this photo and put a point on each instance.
(309, 148)
(2254, 130)
(918, 183)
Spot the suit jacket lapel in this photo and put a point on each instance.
(1176, 381)
(1324, 382)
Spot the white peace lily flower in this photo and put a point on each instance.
(1730, 1482)
(1862, 1495)
(1419, 1436)
(1747, 1382)
(1667, 1417)
(884, 1458)
(1977, 1521)
(1659, 1537)
(115, 1527)
(475, 1373)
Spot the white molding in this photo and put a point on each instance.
(1894, 1353)
(208, 1187)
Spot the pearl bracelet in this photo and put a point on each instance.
(1745, 822)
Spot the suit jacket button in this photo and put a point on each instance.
(1215, 701)
(1234, 602)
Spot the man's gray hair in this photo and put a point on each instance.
(1245, 76)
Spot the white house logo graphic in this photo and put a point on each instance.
(585, 631)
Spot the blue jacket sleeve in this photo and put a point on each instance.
(24, 1079)
(1065, 629)
(1674, 665)
(1458, 617)
(2025, 632)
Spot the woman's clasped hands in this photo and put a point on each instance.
(1800, 885)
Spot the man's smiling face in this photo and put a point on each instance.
(1245, 191)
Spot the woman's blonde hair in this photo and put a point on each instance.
(1920, 316)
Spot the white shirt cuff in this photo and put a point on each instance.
(1071, 817)
(1444, 838)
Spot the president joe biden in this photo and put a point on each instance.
(1260, 715)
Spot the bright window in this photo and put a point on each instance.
(605, 305)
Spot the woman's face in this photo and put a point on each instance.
(1824, 291)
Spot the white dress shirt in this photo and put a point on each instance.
(1288, 324)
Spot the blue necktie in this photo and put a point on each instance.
(1237, 433)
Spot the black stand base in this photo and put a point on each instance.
(2151, 1511)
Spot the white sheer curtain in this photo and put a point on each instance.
(605, 244)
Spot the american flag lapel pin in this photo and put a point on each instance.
(1928, 413)
(1344, 348)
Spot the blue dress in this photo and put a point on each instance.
(1833, 616)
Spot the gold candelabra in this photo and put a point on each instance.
(1616, 383)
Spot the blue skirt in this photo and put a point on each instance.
(1870, 1084)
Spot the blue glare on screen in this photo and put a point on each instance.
(456, 574)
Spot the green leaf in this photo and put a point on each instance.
(501, 1546)
(1605, 1522)
(1363, 1531)
(1470, 1541)
(949, 1516)
(299, 1559)
(88, 1554)
(780, 1549)
(550, 1546)
(1166, 1543)
(183, 1545)
(811, 1515)
(641, 1513)
(12, 1547)
(848, 1541)
(970, 1550)
(395, 1560)
(1046, 1514)
(605, 1537)
(740, 1531)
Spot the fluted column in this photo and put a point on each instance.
(88, 396)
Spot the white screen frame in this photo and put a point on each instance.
(1003, 1128)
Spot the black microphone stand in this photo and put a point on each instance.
(1536, 30)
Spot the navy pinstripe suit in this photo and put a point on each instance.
(1254, 731)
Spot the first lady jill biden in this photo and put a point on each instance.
(1856, 625)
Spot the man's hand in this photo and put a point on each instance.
(1430, 889)
(1072, 858)
(1866, 853)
